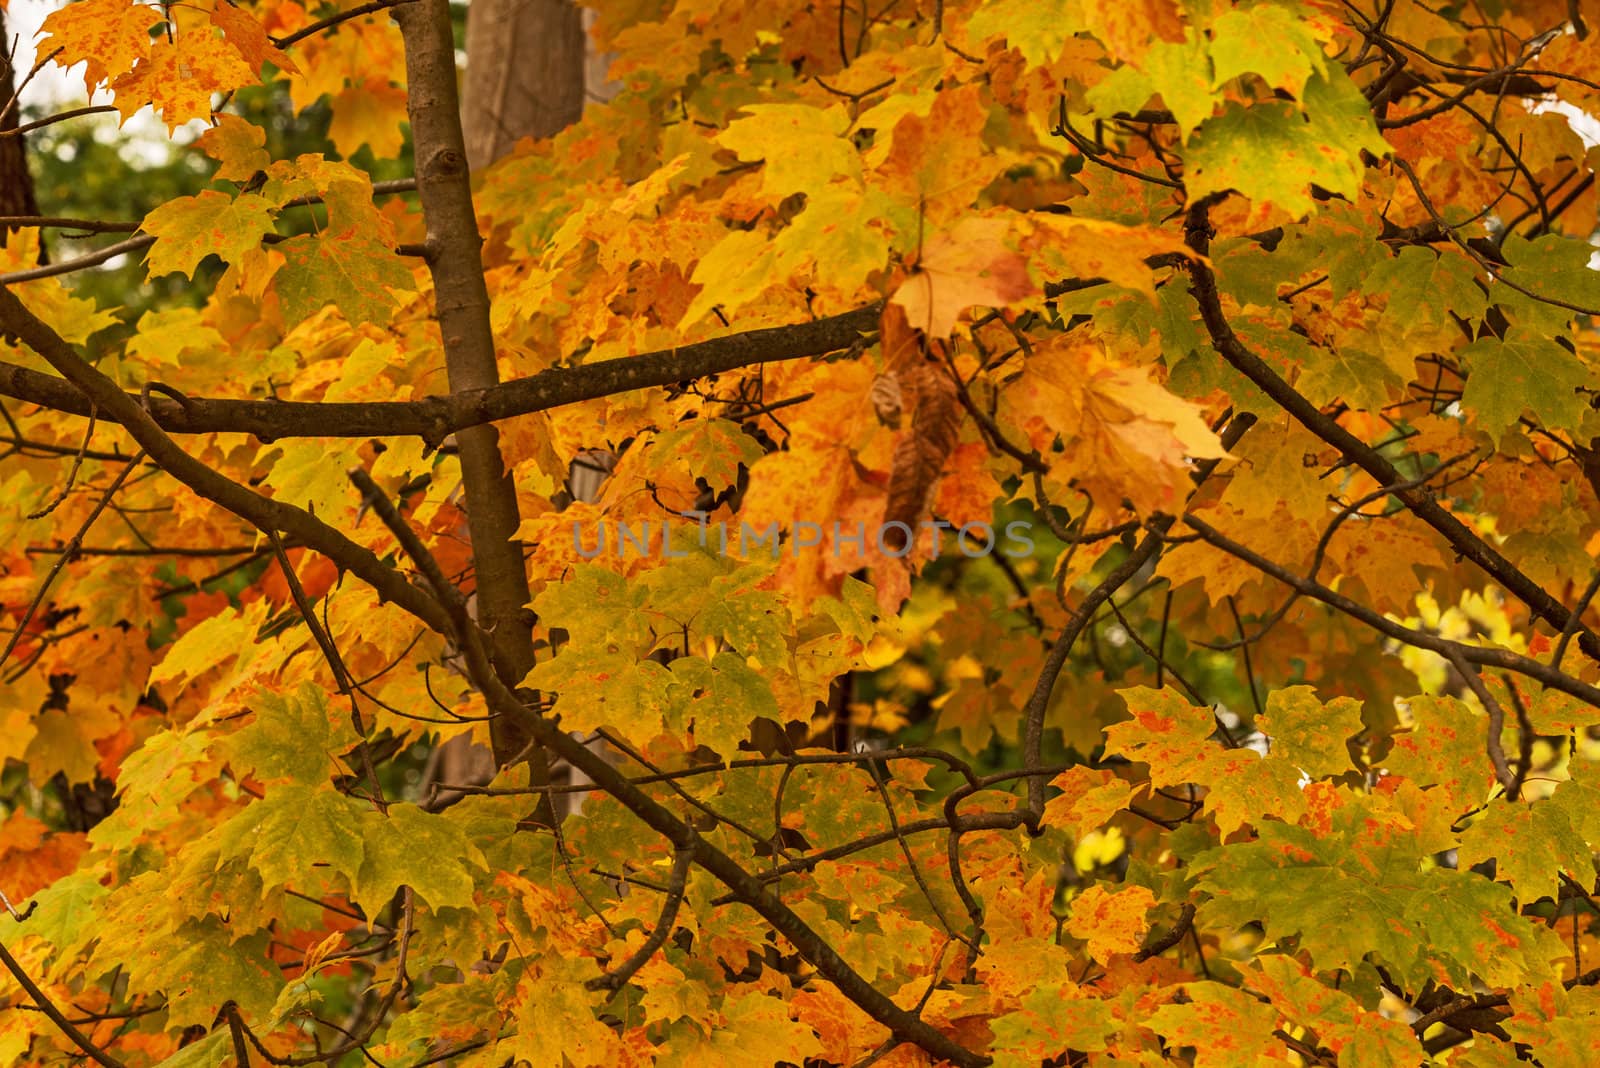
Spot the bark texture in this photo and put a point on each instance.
(526, 66)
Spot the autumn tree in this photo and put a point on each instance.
(1168, 430)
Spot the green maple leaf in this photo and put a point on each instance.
(556, 1023)
(719, 697)
(291, 738)
(1309, 734)
(835, 240)
(598, 607)
(714, 449)
(1236, 48)
(1336, 242)
(1580, 800)
(1445, 747)
(203, 966)
(1428, 288)
(351, 272)
(212, 1051)
(294, 827)
(1531, 845)
(1180, 74)
(409, 847)
(154, 780)
(1174, 739)
(440, 1009)
(1048, 1023)
(1036, 28)
(1361, 889)
(61, 914)
(716, 598)
(1524, 372)
(310, 473)
(1273, 152)
(1364, 1039)
(189, 229)
(1551, 266)
(1342, 372)
(605, 689)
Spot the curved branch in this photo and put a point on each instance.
(676, 882)
(1471, 654)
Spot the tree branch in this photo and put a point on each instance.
(435, 418)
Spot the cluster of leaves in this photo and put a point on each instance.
(1270, 322)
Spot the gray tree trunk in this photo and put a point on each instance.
(526, 65)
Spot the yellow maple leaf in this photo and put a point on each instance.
(1111, 923)
(108, 36)
(180, 75)
(1126, 435)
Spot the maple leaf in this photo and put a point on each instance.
(1178, 73)
(1310, 735)
(369, 114)
(1225, 1026)
(1125, 436)
(358, 275)
(556, 1023)
(179, 76)
(1037, 30)
(1110, 922)
(1087, 800)
(292, 737)
(1523, 372)
(1175, 740)
(1051, 1019)
(238, 145)
(1532, 845)
(970, 265)
(110, 37)
(189, 229)
(390, 843)
(294, 822)
(1236, 38)
(1445, 747)
(1178, 228)
(1272, 152)
(803, 147)
(249, 38)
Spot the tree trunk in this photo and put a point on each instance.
(527, 66)
(16, 184)
(462, 304)
(525, 73)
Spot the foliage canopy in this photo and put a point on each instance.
(1251, 716)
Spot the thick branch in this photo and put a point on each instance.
(435, 418)
(461, 300)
